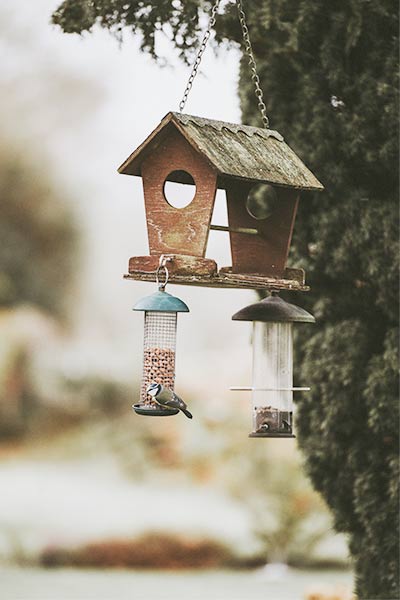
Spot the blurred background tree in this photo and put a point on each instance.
(38, 237)
(330, 75)
(37, 250)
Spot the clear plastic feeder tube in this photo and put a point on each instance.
(272, 395)
(158, 351)
(272, 384)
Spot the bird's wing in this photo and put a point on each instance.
(177, 401)
(172, 403)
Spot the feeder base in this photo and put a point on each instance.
(148, 411)
(271, 435)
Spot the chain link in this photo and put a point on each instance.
(249, 50)
(252, 62)
(199, 56)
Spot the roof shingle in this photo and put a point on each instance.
(238, 151)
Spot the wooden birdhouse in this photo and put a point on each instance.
(262, 178)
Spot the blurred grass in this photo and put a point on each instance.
(93, 420)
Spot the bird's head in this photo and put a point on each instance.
(154, 389)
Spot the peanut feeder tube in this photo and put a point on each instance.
(160, 324)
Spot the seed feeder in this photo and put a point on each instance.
(262, 179)
(261, 176)
(272, 382)
(160, 323)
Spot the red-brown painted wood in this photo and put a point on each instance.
(265, 254)
(178, 265)
(293, 279)
(178, 230)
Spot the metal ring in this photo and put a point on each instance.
(161, 286)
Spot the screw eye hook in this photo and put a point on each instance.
(162, 268)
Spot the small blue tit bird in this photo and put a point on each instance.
(166, 397)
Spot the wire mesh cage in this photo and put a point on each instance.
(159, 348)
(159, 352)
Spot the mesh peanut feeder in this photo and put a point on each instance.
(160, 325)
(262, 179)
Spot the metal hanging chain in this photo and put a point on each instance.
(252, 62)
(249, 50)
(199, 56)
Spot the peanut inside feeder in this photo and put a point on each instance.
(160, 325)
(159, 352)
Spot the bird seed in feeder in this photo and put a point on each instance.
(158, 367)
(272, 420)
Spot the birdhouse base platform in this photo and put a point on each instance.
(192, 270)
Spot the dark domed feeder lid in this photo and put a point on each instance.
(156, 411)
(161, 302)
(273, 309)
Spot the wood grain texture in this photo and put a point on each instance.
(234, 150)
(266, 253)
(178, 265)
(226, 279)
(289, 274)
(172, 230)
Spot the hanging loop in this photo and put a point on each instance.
(252, 63)
(199, 56)
(162, 268)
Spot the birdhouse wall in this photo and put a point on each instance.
(171, 230)
(265, 253)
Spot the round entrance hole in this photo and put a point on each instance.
(179, 189)
(262, 201)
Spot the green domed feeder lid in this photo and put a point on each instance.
(161, 302)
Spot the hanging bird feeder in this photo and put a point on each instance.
(211, 155)
(272, 382)
(160, 324)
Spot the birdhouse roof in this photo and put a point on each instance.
(234, 151)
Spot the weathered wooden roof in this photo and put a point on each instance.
(238, 151)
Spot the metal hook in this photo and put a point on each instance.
(162, 267)
(161, 285)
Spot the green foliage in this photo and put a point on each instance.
(347, 240)
(308, 53)
(37, 237)
(146, 18)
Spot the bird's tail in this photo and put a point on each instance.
(187, 413)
